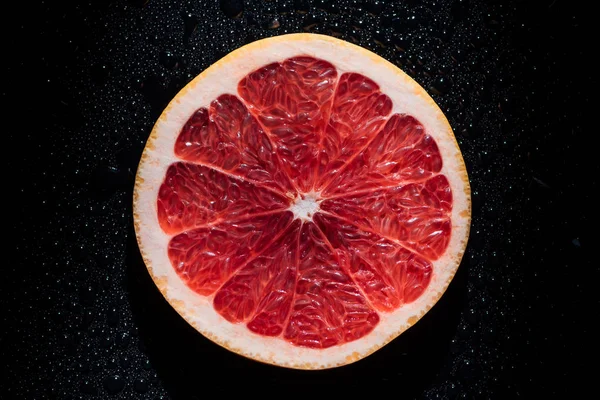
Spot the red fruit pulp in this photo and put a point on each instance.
(302, 207)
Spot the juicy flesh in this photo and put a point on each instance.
(302, 208)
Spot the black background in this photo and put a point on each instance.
(85, 82)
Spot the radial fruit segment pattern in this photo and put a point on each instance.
(302, 207)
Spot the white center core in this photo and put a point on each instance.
(306, 206)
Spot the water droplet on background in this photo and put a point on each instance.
(140, 385)
(113, 384)
(232, 8)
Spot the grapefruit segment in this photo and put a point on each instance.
(292, 100)
(402, 152)
(297, 287)
(228, 138)
(327, 309)
(389, 274)
(416, 214)
(205, 258)
(263, 289)
(358, 113)
(194, 195)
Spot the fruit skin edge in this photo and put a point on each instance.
(173, 292)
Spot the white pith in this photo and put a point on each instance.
(407, 96)
(305, 206)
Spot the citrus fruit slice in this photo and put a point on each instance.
(302, 202)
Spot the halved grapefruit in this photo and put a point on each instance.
(302, 202)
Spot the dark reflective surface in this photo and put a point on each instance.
(84, 84)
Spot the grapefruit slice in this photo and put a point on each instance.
(302, 202)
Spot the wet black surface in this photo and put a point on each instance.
(85, 82)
